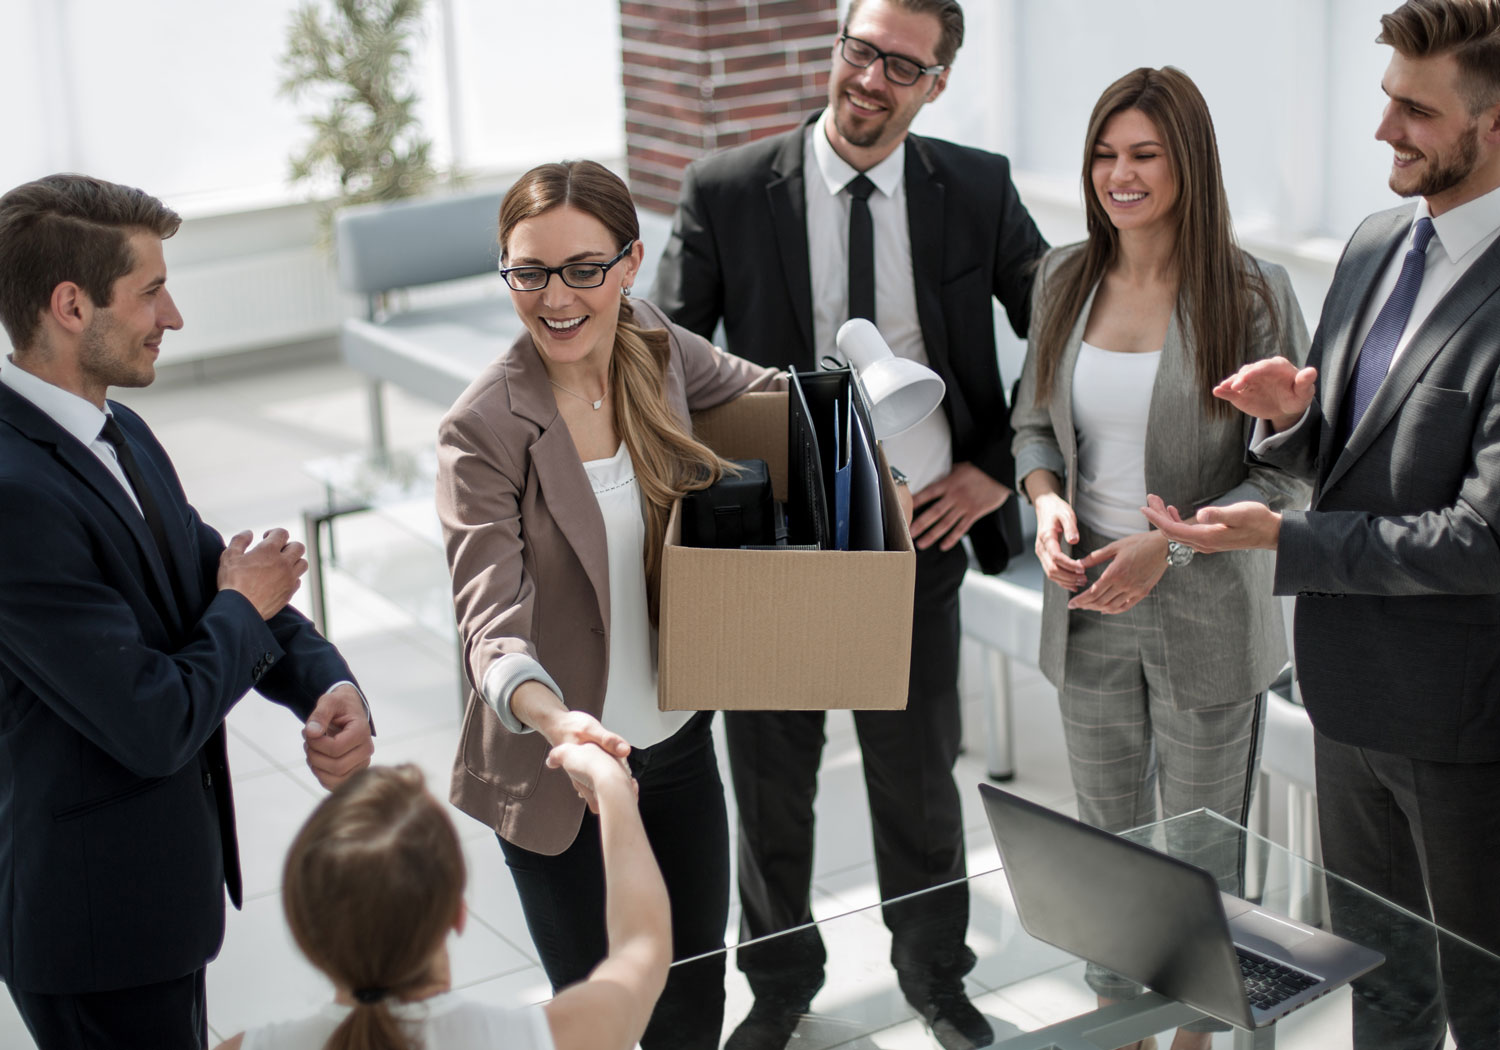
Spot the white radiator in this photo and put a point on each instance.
(253, 301)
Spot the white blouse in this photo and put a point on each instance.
(444, 1022)
(1111, 404)
(630, 693)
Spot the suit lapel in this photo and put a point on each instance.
(1175, 425)
(1368, 253)
(1478, 283)
(1062, 394)
(559, 471)
(181, 548)
(924, 221)
(786, 194)
(85, 466)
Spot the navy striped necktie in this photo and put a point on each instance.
(1380, 345)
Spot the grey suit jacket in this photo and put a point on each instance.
(528, 555)
(1225, 637)
(1397, 565)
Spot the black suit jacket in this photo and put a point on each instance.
(116, 672)
(1396, 567)
(738, 253)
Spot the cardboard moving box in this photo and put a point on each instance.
(782, 629)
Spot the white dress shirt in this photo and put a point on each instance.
(78, 416)
(925, 452)
(1460, 236)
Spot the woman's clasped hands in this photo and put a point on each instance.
(1133, 563)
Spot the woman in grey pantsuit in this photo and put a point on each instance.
(1161, 659)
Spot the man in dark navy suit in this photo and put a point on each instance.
(128, 630)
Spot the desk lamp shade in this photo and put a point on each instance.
(900, 392)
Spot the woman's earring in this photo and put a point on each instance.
(625, 291)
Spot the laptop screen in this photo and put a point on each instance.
(1140, 913)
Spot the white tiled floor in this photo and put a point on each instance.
(238, 443)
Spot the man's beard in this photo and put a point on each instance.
(1443, 176)
(108, 365)
(862, 135)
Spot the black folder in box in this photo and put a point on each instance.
(833, 488)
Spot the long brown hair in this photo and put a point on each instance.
(372, 885)
(668, 460)
(1217, 280)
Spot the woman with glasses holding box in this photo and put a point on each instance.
(1161, 659)
(557, 470)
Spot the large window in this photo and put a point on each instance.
(180, 96)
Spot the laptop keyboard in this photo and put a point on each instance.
(1268, 982)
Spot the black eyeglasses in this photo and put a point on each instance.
(899, 69)
(574, 275)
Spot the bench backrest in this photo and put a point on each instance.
(404, 244)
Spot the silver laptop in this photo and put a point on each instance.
(1161, 921)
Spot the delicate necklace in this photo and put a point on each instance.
(590, 401)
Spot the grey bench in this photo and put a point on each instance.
(427, 339)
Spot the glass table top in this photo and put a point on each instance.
(1035, 995)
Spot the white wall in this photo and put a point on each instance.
(1294, 87)
(179, 96)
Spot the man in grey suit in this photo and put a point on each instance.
(1396, 566)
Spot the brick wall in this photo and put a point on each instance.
(700, 75)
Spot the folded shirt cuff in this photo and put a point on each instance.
(1262, 439)
(500, 683)
(370, 718)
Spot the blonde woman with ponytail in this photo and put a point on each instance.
(557, 469)
(374, 884)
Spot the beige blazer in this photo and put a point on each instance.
(526, 549)
(1224, 633)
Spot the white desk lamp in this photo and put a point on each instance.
(900, 392)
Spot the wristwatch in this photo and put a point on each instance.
(1179, 554)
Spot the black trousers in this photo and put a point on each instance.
(1424, 835)
(914, 809)
(682, 807)
(170, 1015)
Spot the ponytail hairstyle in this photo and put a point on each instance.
(668, 460)
(372, 885)
(1219, 283)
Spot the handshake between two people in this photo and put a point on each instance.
(1274, 390)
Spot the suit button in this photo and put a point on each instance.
(208, 780)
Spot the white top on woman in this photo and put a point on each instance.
(1111, 406)
(630, 706)
(444, 1022)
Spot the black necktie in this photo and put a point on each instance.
(1379, 347)
(116, 437)
(861, 249)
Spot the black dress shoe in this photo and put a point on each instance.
(953, 1021)
(768, 1026)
